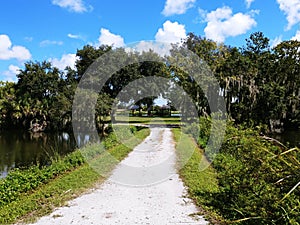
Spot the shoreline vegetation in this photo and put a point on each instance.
(31, 193)
(252, 180)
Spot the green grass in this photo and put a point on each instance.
(40, 201)
(48, 196)
(149, 120)
(198, 180)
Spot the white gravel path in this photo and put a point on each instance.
(161, 203)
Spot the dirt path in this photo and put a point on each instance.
(112, 203)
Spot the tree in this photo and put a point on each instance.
(86, 56)
(8, 103)
(287, 70)
(37, 91)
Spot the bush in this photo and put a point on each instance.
(259, 180)
(254, 178)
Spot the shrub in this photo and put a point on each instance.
(259, 180)
(20, 181)
(254, 178)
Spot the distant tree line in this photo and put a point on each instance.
(260, 84)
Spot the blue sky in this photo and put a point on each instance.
(54, 29)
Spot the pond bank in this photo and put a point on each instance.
(35, 196)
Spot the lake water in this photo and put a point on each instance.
(290, 137)
(22, 148)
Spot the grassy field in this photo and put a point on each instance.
(148, 120)
(32, 203)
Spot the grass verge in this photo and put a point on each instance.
(34, 202)
(198, 182)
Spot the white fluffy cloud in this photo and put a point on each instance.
(297, 36)
(222, 23)
(66, 60)
(177, 6)
(10, 74)
(291, 9)
(171, 32)
(108, 38)
(77, 6)
(8, 51)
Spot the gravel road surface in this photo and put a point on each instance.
(137, 192)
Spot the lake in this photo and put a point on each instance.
(19, 148)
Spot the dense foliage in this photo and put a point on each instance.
(258, 180)
(260, 84)
(257, 177)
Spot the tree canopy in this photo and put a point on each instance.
(260, 84)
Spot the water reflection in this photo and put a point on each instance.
(289, 137)
(22, 148)
(85, 138)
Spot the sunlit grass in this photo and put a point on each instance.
(148, 120)
(198, 181)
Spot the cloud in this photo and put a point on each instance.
(161, 49)
(276, 41)
(75, 36)
(171, 32)
(173, 7)
(77, 6)
(48, 42)
(249, 2)
(8, 51)
(291, 9)
(108, 38)
(10, 74)
(66, 60)
(222, 23)
(297, 36)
